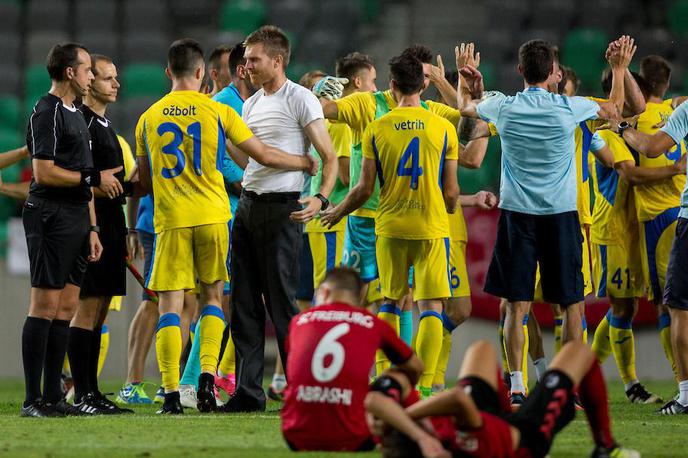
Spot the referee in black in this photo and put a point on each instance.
(106, 277)
(59, 219)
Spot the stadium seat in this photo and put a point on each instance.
(100, 43)
(507, 14)
(145, 47)
(296, 70)
(496, 45)
(39, 44)
(489, 74)
(599, 14)
(96, 16)
(133, 109)
(677, 18)
(292, 15)
(144, 80)
(36, 83)
(323, 46)
(554, 14)
(655, 41)
(47, 15)
(10, 14)
(196, 13)
(10, 111)
(11, 78)
(550, 35)
(370, 10)
(148, 16)
(10, 139)
(583, 50)
(10, 47)
(242, 15)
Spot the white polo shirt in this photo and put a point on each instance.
(278, 120)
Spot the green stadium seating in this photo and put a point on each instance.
(242, 16)
(488, 71)
(370, 10)
(10, 112)
(37, 82)
(3, 233)
(583, 50)
(297, 69)
(677, 17)
(140, 80)
(10, 139)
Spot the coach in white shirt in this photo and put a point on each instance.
(267, 231)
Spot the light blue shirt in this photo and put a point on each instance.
(597, 142)
(231, 172)
(144, 217)
(536, 128)
(677, 129)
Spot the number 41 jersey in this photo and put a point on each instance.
(183, 136)
(331, 352)
(410, 145)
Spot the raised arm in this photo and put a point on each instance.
(619, 58)
(634, 102)
(443, 86)
(451, 402)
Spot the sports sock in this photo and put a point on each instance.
(79, 350)
(94, 357)
(585, 330)
(623, 348)
(517, 385)
(192, 330)
(601, 345)
(66, 368)
(428, 345)
(540, 367)
(58, 338)
(34, 343)
(390, 314)
(406, 326)
(558, 323)
(665, 338)
(683, 392)
(592, 393)
(212, 326)
(448, 327)
(168, 347)
(104, 347)
(192, 369)
(279, 382)
(228, 363)
(524, 361)
(502, 346)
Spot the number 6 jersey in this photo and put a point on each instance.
(183, 136)
(331, 352)
(409, 146)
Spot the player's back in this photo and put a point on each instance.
(183, 135)
(654, 198)
(331, 351)
(410, 145)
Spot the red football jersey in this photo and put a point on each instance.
(331, 352)
(491, 440)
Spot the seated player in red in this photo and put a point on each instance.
(331, 350)
(474, 419)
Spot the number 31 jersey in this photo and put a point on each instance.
(410, 145)
(183, 137)
(331, 352)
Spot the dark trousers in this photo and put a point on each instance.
(265, 271)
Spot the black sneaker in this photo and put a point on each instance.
(673, 407)
(171, 405)
(275, 394)
(37, 409)
(242, 404)
(614, 452)
(205, 396)
(637, 394)
(88, 406)
(517, 399)
(108, 407)
(66, 409)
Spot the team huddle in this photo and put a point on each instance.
(335, 207)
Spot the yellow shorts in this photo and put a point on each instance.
(326, 249)
(617, 271)
(430, 261)
(460, 286)
(374, 291)
(184, 254)
(656, 238)
(587, 274)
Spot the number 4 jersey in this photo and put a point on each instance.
(331, 352)
(183, 136)
(409, 146)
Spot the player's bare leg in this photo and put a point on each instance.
(572, 327)
(141, 332)
(480, 361)
(213, 325)
(429, 342)
(514, 339)
(679, 341)
(536, 349)
(279, 381)
(456, 311)
(558, 322)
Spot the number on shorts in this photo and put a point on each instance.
(352, 260)
(455, 280)
(412, 152)
(618, 280)
(329, 346)
(172, 148)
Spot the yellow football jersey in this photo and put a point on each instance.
(582, 137)
(410, 145)
(654, 198)
(183, 136)
(614, 211)
(128, 157)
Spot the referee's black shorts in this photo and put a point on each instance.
(57, 239)
(555, 241)
(107, 277)
(676, 289)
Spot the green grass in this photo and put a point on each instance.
(147, 435)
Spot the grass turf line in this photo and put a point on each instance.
(145, 434)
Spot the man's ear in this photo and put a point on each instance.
(69, 73)
(519, 67)
(168, 72)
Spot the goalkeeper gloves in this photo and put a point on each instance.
(330, 87)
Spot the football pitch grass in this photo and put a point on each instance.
(145, 434)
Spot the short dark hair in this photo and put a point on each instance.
(347, 279)
(95, 58)
(349, 65)
(396, 444)
(536, 58)
(309, 79)
(568, 74)
(61, 57)
(420, 52)
(656, 72)
(407, 73)
(273, 39)
(236, 57)
(215, 59)
(184, 56)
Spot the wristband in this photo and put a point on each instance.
(95, 229)
(323, 200)
(90, 177)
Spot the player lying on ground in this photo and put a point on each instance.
(474, 419)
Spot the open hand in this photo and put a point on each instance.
(312, 206)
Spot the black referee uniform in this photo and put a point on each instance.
(56, 222)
